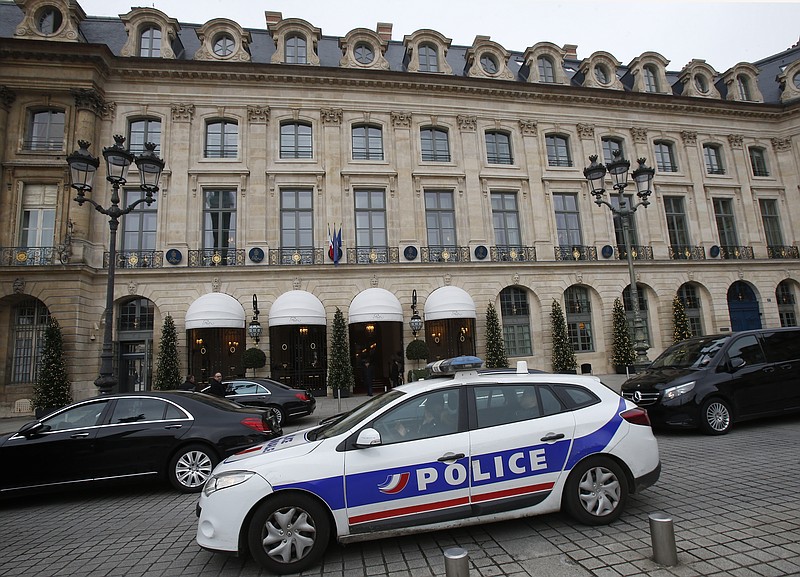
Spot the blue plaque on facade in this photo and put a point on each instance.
(256, 254)
(410, 252)
(607, 251)
(174, 256)
(481, 252)
(714, 251)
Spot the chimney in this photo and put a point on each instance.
(273, 17)
(384, 30)
(571, 51)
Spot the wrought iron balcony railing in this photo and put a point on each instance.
(638, 252)
(28, 255)
(216, 257)
(513, 253)
(686, 252)
(444, 254)
(296, 256)
(373, 255)
(576, 252)
(736, 252)
(136, 259)
(783, 252)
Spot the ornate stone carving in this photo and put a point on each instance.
(781, 144)
(401, 119)
(182, 112)
(689, 137)
(258, 114)
(528, 127)
(87, 99)
(639, 134)
(132, 288)
(585, 131)
(19, 286)
(331, 116)
(7, 97)
(735, 140)
(467, 123)
(215, 284)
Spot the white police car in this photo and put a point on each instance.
(434, 454)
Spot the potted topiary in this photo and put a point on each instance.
(417, 350)
(254, 358)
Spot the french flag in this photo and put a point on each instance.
(335, 244)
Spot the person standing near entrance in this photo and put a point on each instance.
(189, 384)
(394, 373)
(367, 374)
(215, 385)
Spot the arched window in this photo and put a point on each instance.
(222, 139)
(579, 318)
(367, 142)
(498, 147)
(150, 42)
(296, 140)
(516, 322)
(428, 58)
(136, 315)
(558, 150)
(743, 85)
(712, 153)
(49, 20)
(610, 144)
(665, 156)
(546, 69)
(784, 294)
(758, 161)
(435, 145)
(141, 131)
(224, 45)
(691, 303)
(650, 79)
(31, 318)
(45, 130)
(295, 49)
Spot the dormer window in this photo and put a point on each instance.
(150, 42)
(295, 49)
(601, 73)
(426, 51)
(796, 80)
(363, 53)
(701, 83)
(546, 69)
(222, 39)
(489, 64)
(650, 79)
(428, 58)
(49, 20)
(295, 40)
(224, 45)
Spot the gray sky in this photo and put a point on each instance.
(723, 33)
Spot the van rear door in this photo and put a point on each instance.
(782, 348)
(753, 386)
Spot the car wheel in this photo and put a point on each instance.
(715, 417)
(191, 467)
(596, 491)
(288, 533)
(277, 413)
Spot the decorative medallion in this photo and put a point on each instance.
(216, 258)
(481, 252)
(174, 256)
(714, 251)
(410, 252)
(607, 251)
(133, 260)
(22, 256)
(256, 254)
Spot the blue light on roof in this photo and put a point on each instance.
(450, 366)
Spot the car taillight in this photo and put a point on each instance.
(637, 416)
(301, 396)
(256, 424)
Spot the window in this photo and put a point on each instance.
(219, 220)
(701, 83)
(504, 404)
(38, 216)
(423, 417)
(150, 42)
(785, 297)
(142, 131)
(772, 222)
(139, 226)
(650, 79)
(546, 69)
(579, 318)
(370, 206)
(31, 318)
(435, 145)
(363, 53)
(713, 157)
(687, 293)
(136, 315)
(428, 58)
(296, 140)
(297, 219)
(489, 63)
(677, 226)
(137, 410)
(505, 219)
(224, 45)
(726, 223)
(601, 74)
(222, 139)
(45, 130)
(49, 20)
(295, 49)
(79, 417)
(558, 150)
(440, 218)
(665, 157)
(627, 304)
(618, 232)
(743, 85)
(568, 222)
(367, 142)
(516, 322)
(498, 148)
(611, 144)
(758, 161)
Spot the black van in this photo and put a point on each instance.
(712, 381)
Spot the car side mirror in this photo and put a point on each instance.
(737, 363)
(32, 429)
(368, 438)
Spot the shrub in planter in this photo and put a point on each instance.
(254, 358)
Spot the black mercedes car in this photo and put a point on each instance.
(285, 402)
(176, 435)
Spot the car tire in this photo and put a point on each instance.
(596, 491)
(190, 468)
(715, 417)
(288, 533)
(278, 413)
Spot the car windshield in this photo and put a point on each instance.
(350, 419)
(691, 354)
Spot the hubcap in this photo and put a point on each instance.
(193, 469)
(289, 534)
(718, 416)
(599, 491)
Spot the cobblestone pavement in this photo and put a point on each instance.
(733, 500)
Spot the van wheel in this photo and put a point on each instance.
(596, 491)
(715, 417)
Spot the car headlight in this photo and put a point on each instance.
(677, 391)
(225, 480)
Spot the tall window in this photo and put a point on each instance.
(772, 221)
(222, 139)
(30, 322)
(546, 69)
(367, 142)
(558, 150)
(785, 297)
(758, 161)
(139, 226)
(136, 315)
(45, 130)
(568, 222)
(142, 131)
(618, 232)
(296, 140)
(516, 322)
(579, 318)
(665, 156)
(440, 218)
(38, 215)
(505, 218)
(435, 145)
(677, 225)
(219, 220)
(743, 85)
(295, 49)
(726, 223)
(691, 304)
(370, 219)
(498, 148)
(650, 79)
(428, 58)
(712, 153)
(297, 219)
(150, 42)
(611, 144)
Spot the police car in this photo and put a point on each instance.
(454, 450)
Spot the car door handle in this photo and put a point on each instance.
(175, 426)
(769, 369)
(786, 367)
(552, 437)
(82, 435)
(451, 457)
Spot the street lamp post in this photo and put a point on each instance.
(416, 321)
(83, 167)
(254, 328)
(643, 177)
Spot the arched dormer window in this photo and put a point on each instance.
(697, 79)
(600, 71)
(545, 63)
(50, 20)
(649, 73)
(223, 39)
(789, 80)
(426, 51)
(363, 48)
(151, 33)
(295, 40)
(487, 59)
(740, 82)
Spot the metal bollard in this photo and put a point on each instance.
(662, 535)
(456, 562)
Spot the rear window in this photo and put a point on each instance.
(575, 397)
(782, 346)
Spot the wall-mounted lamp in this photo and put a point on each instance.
(303, 331)
(416, 321)
(232, 345)
(370, 328)
(254, 328)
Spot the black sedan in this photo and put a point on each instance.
(169, 434)
(285, 402)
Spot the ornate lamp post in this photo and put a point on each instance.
(416, 321)
(643, 177)
(254, 328)
(83, 167)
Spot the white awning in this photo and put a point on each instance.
(449, 302)
(375, 305)
(297, 308)
(215, 310)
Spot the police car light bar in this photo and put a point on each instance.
(455, 364)
(522, 367)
